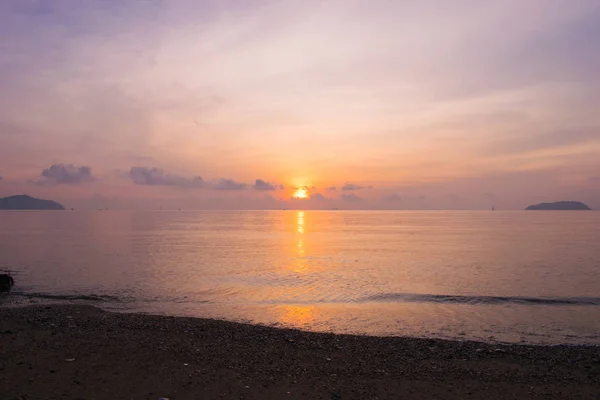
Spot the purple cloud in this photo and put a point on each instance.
(158, 177)
(66, 174)
(229, 184)
(351, 186)
(318, 197)
(264, 186)
(350, 197)
(392, 198)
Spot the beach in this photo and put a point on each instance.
(82, 352)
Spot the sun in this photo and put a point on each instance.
(301, 193)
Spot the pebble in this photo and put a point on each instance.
(170, 341)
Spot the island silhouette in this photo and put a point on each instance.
(559, 205)
(25, 202)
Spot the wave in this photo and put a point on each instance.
(105, 298)
(484, 300)
(380, 297)
(74, 297)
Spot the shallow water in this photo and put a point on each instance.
(502, 276)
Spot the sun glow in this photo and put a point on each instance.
(301, 193)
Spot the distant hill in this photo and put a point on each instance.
(559, 205)
(24, 202)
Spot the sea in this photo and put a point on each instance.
(495, 276)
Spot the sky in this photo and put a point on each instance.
(251, 104)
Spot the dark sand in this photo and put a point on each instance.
(127, 356)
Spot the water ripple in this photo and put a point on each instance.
(475, 300)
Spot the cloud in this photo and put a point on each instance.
(393, 198)
(351, 186)
(66, 174)
(158, 177)
(229, 184)
(263, 185)
(350, 197)
(319, 197)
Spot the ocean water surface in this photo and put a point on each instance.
(508, 276)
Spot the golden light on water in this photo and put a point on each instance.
(300, 222)
(299, 264)
(299, 315)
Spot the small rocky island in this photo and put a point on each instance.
(24, 202)
(559, 205)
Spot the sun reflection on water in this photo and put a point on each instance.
(300, 247)
(299, 316)
(299, 265)
(300, 222)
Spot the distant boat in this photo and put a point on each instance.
(493, 208)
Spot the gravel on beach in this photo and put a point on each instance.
(82, 352)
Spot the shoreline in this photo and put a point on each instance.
(91, 302)
(107, 304)
(80, 351)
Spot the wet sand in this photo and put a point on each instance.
(81, 352)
